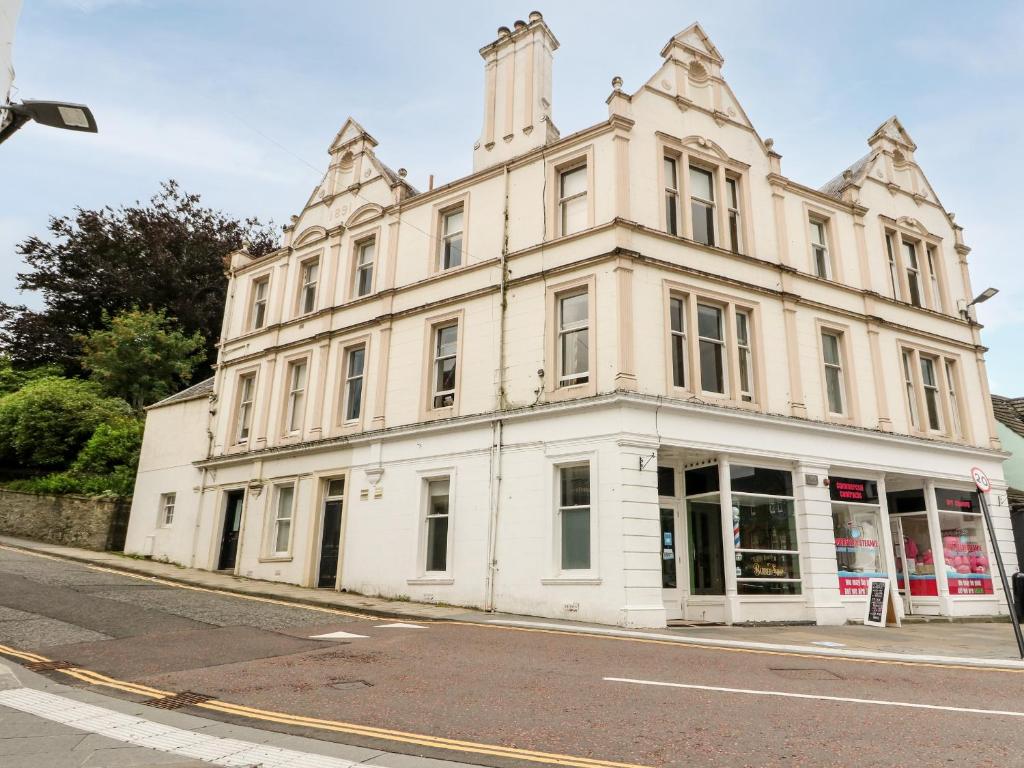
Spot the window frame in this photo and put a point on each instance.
(447, 237)
(821, 224)
(579, 378)
(671, 193)
(431, 327)
(262, 279)
(426, 516)
(696, 164)
(304, 286)
(684, 366)
(932, 392)
(359, 247)
(560, 464)
(244, 377)
(569, 161)
(168, 503)
(845, 372)
(910, 247)
(552, 352)
(953, 424)
(289, 390)
(274, 520)
(347, 379)
(744, 354)
(734, 211)
(564, 200)
(722, 344)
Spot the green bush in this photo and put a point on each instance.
(47, 422)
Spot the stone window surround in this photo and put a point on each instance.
(342, 347)
(922, 242)
(557, 165)
(940, 357)
(356, 242)
(430, 326)
(233, 441)
(271, 494)
(318, 258)
(423, 576)
(167, 500)
(827, 218)
(438, 211)
(692, 295)
(264, 274)
(555, 574)
(284, 434)
(851, 402)
(552, 391)
(713, 159)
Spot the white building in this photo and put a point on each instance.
(626, 375)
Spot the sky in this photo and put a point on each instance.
(238, 100)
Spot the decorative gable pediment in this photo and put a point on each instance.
(364, 213)
(309, 235)
(351, 132)
(695, 41)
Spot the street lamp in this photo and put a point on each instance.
(56, 114)
(985, 295)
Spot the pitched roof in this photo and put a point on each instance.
(203, 389)
(1009, 411)
(834, 187)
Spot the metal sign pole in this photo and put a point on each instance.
(1002, 573)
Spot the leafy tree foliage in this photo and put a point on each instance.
(165, 255)
(141, 356)
(12, 379)
(47, 422)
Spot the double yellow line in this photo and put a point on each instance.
(283, 718)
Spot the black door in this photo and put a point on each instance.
(329, 544)
(668, 549)
(232, 522)
(707, 572)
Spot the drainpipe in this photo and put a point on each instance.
(497, 427)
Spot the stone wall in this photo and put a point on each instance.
(76, 521)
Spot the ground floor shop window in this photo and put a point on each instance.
(764, 531)
(915, 561)
(963, 543)
(857, 526)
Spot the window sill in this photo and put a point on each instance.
(573, 580)
(431, 581)
(276, 559)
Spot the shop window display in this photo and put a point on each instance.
(764, 532)
(915, 561)
(963, 543)
(857, 528)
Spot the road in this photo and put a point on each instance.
(522, 689)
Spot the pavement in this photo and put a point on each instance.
(499, 691)
(927, 640)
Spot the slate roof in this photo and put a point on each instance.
(203, 389)
(1009, 411)
(835, 186)
(394, 178)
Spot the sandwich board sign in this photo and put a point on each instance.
(879, 610)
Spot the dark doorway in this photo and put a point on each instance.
(234, 501)
(706, 549)
(330, 540)
(668, 549)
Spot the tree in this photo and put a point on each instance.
(141, 356)
(165, 255)
(13, 379)
(45, 423)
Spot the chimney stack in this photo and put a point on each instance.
(517, 92)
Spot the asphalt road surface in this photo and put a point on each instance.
(630, 701)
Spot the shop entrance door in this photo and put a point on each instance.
(900, 556)
(670, 564)
(330, 538)
(707, 559)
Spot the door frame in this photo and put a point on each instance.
(674, 599)
(901, 552)
(222, 513)
(316, 527)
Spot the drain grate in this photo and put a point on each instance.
(806, 673)
(48, 666)
(178, 700)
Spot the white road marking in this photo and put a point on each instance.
(139, 732)
(828, 644)
(399, 625)
(818, 697)
(711, 642)
(337, 636)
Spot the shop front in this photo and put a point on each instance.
(859, 538)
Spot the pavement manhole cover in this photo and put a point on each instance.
(48, 666)
(351, 685)
(805, 673)
(178, 700)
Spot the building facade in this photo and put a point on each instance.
(627, 375)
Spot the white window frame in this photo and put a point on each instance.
(949, 368)
(563, 330)
(912, 266)
(745, 354)
(935, 291)
(934, 390)
(564, 201)
(734, 218)
(910, 386)
(821, 256)
(167, 504)
(245, 407)
(560, 508)
(296, 402)
(348, 383)
(363, 266)
(309, 281)
(428, 515)
(448, 237)
(673, 214)
(678, 343)
(711, 204)
(437, 359)
(720, 343)
(277, 520)
(260, 302)
(893, 265)
(840, 371)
